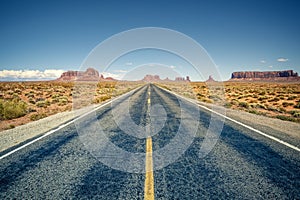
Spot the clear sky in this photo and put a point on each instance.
(43, 38)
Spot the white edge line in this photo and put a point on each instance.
(237, 122)
(66, 124)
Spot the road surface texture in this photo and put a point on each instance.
(242, 165)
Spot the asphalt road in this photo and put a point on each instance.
(67, 164)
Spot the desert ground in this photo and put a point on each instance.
(271, 99)
(23, 102)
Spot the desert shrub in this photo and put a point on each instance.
(101, 99)
(254, 112)
(12, 109)
(37, 116)
(274, 99)
(248, 95)
(55, 96)
(285, 104)
(31, 100)
(49, 90)
(262, 98)
(286, 118)
(18, 91)
(282, 110)
(234, 102)
(11, 126)
(55, 100)
(260, 106)
(40, 99)
(252, 105)
(1, 107)
(30, 94)
(227, 90)
(9, 92)
(296, 114)
(291, 97)
(47, 102)
(41, 104)
(262, 93)
(214, 97)
(62, 101)
(16, 96)
(206, 100)
(30, 109)
(244, 104)
(274, 109)
(59, 90)
(200, 95)
(228, 105)
(297, 105)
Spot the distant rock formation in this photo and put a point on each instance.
(182, 79)
(288, 75)
(90, 74)
(210, 79)
(151, 78)
(156, 78)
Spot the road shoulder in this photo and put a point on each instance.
(13, 137)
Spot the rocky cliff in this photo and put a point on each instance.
(151, 78)
(266, 75)
(89, 75)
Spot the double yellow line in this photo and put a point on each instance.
(149, 180)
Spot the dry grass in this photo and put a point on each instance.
(277, 100)
(22, 102)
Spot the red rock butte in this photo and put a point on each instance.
(90, 74)
(286, 75)
(210, 79)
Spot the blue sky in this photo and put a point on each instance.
(241, 35)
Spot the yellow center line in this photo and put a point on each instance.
(149, 101)
(149, 181)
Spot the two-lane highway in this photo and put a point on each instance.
(68, 164)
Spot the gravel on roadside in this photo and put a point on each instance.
(19, 134)
(282, 130)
